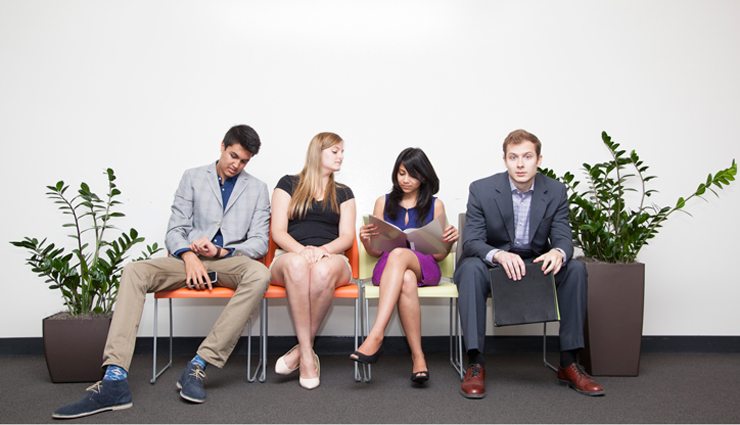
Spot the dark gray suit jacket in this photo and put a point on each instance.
(489, 220)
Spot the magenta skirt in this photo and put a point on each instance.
(430, 273)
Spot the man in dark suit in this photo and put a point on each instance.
(513, 217)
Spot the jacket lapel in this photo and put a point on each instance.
(239, 187)
(212, 177)
(537, 206)
(502, 197)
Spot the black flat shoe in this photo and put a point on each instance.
(420, 377)
(367, 359)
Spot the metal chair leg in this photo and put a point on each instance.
(155, 372)
(455, 339)
(544, 348)
(252, 376)
(458, 329)
(154, 343)
(367, 372)
(263, 340)
(259, 370)
(358, 378)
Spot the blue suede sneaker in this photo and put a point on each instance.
(191, 383)
(102, 396)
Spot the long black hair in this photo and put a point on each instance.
(419, 167)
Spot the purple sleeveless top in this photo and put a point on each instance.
(430, 273)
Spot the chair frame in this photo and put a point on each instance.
(182, 293)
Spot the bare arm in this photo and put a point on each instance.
(450, 233)
(279, 222)
(347, 217)
(369, 231)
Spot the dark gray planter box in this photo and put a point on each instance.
(616, 298)
(73, 347)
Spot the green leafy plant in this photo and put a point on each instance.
(604, 227)
(87, 277)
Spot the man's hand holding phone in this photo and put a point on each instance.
(196, 274)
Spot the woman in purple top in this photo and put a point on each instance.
(410, 204)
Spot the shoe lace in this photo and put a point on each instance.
(95, 388)
(198, 373)
(581, 374)
(474, 371)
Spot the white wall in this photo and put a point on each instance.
(149, 88)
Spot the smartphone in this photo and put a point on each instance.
(213, 277)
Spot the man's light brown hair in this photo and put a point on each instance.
(519, 136)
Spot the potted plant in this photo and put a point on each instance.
(611, 235)
(87, 277)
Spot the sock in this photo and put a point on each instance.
(475, 356)
(199, 361)
(567, 358)
(115, 373)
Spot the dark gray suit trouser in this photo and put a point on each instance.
(472, 279)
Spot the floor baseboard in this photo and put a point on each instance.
(337, 345)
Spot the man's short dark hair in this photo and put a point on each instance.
(245, 136)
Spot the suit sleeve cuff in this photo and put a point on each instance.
(491, 253)
(181, 251)
(565, 259)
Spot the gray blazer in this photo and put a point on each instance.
(489, 220)
(198, 212)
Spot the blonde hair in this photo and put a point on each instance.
(309, 179)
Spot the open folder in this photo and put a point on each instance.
(529, 300)
(426, 239)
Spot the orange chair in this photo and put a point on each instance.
(185, 293)
(348, 291)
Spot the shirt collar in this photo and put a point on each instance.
(231, 179)
(514, 189)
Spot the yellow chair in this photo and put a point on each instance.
(445, 289)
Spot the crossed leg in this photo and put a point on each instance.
(398, 286)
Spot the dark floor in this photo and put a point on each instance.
(671, 388)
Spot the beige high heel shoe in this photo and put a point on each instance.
(281, 366)
(311, 383)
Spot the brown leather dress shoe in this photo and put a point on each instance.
(574, 377)
(474, 383)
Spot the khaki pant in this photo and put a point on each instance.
(249, 279)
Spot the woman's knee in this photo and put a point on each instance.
(399, 257)
(294, 268)
(325, 275)
(410, 282)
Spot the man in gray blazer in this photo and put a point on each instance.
(513, 217)
(219, 223)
